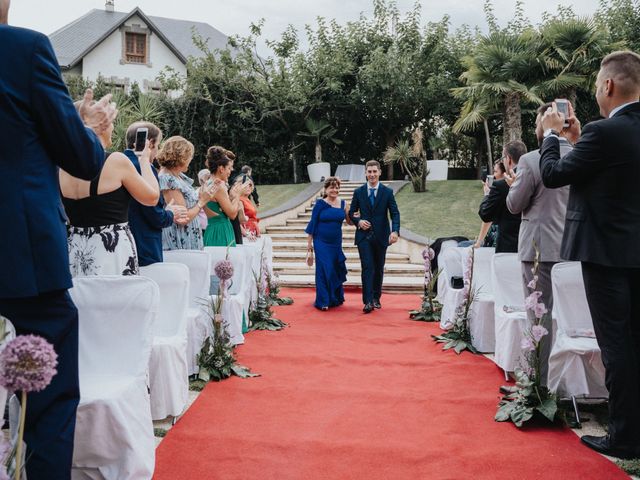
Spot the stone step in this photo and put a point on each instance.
(353, 268)
(299, 228)
(390, 284)
(283, 237)
(302, 246)
(300, 256)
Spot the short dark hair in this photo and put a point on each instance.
(245, 169)
(373, 163)
(543, 108)
(515, 149)
(499, 165)
(153, 133)
(624, 68)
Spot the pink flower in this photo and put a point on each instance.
(527, 345)
(28, 363)
(538, 331)
(428, 254)
(532, 300)
(224, 270)
(533, 283)
(539, 310)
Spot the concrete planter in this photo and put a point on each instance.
(438, 169)
(319, 172)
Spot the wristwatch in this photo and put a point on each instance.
(550, 131)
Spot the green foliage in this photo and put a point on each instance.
(522, 401)
(632, 467)
(431, 309)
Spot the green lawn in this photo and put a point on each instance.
(448, 208)
(272, 196)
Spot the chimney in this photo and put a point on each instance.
(108, 6)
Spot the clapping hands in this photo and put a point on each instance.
(98, 116)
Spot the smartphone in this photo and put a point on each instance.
(563, 108)
(489, 180)
(141, 139)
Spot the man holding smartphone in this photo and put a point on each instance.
(602, 231)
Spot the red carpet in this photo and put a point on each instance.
(345, 395)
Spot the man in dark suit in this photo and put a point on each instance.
(494, 206)
(602, 230)
(40, 131)
(146, 223)
(375, 203)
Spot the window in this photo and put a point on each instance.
(136, 47)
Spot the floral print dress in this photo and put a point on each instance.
(181, 237)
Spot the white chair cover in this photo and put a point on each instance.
(451, 263)
(199, 324)
(510, 325)
(264, 243)
(254, 251)
(10, 333)
(481, 315)
(168, 372)
(239, 296)
(575, 363)
(114, 431)
(442, 280)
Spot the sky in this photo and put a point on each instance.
(234, 16)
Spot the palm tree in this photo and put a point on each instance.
(501, 74)
(320, 130)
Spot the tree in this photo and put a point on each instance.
(320, 130)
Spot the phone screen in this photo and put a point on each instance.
(141, 139)
(563, 107)
(489, 180)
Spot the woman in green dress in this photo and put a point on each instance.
(226, 203)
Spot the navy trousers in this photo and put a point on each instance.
(372, 257)
(51, 413)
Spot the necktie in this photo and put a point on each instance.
(372, 196)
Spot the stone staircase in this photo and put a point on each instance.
(290, 250)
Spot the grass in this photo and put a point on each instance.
(632, 467)
(448, 208)
(272, 196)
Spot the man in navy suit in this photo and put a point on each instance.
(40, 131)
(375, 203)
(146, 223)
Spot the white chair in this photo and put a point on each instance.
(168, 372)
(575, 362)
(451, 263)
(235, 308)
(442, 280)
(254, 251)
(481, 315)
(510, 316)
(114, 431)
(10, 333)
(199, 324)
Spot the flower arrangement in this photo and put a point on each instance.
(27, 363)
(528, 396)
(261, 317)
(273, 284)
(216, 358)
(431, 309)
(458, 336)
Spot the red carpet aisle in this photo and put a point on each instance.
(345, 395)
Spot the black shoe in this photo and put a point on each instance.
(376, 304)
(603, 445)
(368, 308)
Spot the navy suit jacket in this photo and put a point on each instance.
(378, 215)
(146, 223)
(40, 131)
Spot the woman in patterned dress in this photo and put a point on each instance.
(177, 188)
(99, 238)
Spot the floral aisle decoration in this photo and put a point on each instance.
(27, 364)
(261, 317)
(273, 285)
(216, 359)
(528, 396)
(431, 309)
(458, 336)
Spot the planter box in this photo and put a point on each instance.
(319, 172)
(438, 169)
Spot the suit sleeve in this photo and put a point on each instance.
(72, 146)
(157, 216)
(354, 207)
(522, 189)
(492, 205)
(395, 213)
(576, 166)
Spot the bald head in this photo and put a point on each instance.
(4, 11)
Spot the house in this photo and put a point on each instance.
(124, 48)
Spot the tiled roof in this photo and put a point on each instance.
(75, 40)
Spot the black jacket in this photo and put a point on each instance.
(602, 225)
(494, 209)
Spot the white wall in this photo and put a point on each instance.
(105, 59)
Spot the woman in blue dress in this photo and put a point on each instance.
(325, 232)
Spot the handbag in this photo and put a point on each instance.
(309, 259)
